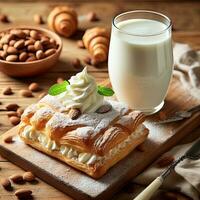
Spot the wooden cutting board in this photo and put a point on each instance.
(81, 186)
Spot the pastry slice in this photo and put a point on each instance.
(81, 128)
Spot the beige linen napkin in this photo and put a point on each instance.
(187, 68)
(185, 179)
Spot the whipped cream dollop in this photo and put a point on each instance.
(82, 93)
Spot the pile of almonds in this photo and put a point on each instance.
(25, 45)
(6, 183)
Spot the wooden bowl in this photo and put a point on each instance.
(33, 68)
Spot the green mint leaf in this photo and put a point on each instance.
(58, 88)
(105, 91)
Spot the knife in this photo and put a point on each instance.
(180, 115)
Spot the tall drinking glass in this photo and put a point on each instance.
(140, 59)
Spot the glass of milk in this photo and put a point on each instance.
(140, 59)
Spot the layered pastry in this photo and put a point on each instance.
(81, 128)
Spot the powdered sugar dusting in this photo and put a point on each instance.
(94, 120)
(84, 132)
(30, 109)
(125, 120)
(53, 101)
(42, 113)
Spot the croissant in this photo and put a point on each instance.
(96, 40)
(63, 20)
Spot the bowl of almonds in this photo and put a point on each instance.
(28, 51)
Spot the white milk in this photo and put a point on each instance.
(140, 67)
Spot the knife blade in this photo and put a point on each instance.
(180, 115)
(169, 120)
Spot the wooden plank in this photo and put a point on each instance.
(79, 185)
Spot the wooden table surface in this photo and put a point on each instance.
(186, 19)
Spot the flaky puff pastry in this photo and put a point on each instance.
(104, 139)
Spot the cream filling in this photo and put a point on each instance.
(81, 157)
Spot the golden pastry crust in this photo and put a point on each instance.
(96, 141)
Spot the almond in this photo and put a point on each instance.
(165, 161)
(16, 178)
(38, 19)
(31, 54)
(8, 139)
(7, 91)
(28, 176)
(38, 45)
(51, 40)
(31, 59)
(45, 40)
(80, 44)
(20, 111)
(34, 87)
(23, 193)
(92, 17)
(49, 52)
(12, 107)
(23, 56)
(50, 46)
(31, 48)
(19, 33)
(27, 32)
(4, 18)
(11, 58)
(14, 120)
(76, 63)
(74, 113)
(40, 54)
(34, 34)
(29, 42)
(59, 80)
(104, 109)
(19, 44)
(5, 182)
(11, 50)
(26, 93)
(12, 42)
(5, 47)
